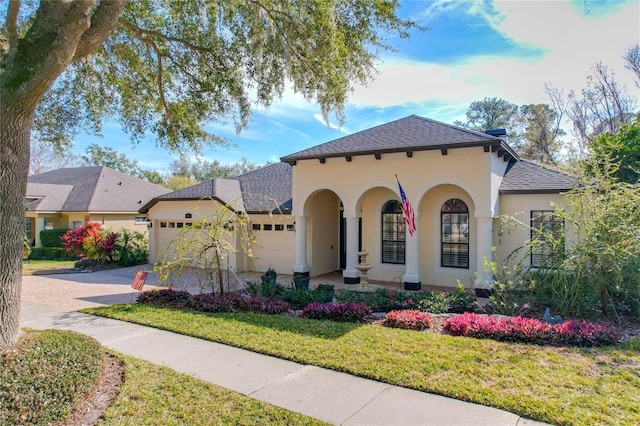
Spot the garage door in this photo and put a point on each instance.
(275, 249)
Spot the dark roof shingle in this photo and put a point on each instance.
(98, 189)
(528, 177)
(412, 133)
(268, 188)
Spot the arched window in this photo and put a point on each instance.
(454, 234)
(393, 233)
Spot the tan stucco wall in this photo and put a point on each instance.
(323, 231)
(519, 206)
(275, 248)
(430, 240)
(272, 248)
(117, 222)
(428, 178)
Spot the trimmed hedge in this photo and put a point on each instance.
(51, 237)
(50, 253)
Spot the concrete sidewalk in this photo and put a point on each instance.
(327, 395)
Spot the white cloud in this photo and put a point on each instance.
(571, 43)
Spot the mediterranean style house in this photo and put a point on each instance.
(317, 209)
(70, 197)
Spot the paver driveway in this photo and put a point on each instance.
(70, 292)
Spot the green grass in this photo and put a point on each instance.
(47, 372)
(43, 267)
(556, 385)
(154, 395)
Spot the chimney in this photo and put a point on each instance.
(498, 133)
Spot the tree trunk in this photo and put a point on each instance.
(15, 133)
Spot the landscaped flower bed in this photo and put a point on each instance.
(508, 329)
(529, 330)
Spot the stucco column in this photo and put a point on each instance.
(484, 277)
(40, 224)
(351, 275)
(412, 278)
(301, 246)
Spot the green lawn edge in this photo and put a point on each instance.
(158, 395)
(556, 385)
(49, 372)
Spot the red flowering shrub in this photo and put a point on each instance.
(408, 319)
(344, 312)
(91, 241)
(528, 330)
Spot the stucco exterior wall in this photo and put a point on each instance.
(272, 248)
(324, 233)
(429, 178)
(519, 206)
(430, 239)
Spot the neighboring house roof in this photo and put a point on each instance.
(412, 133)
(225, 190)
(47, 197)
(526, 177)
(268, 188)
(89, 189)
(263, 190)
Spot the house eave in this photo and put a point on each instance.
(497, 146)
(533, 191)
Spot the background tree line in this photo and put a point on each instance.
(535, 131)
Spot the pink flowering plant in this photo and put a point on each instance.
(342, 311)
(529, 330)
(409, 319)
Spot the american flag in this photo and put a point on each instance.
(407, 210)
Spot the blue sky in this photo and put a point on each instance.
(472, 50)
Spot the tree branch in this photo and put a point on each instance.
(103, 22)
(12, 27)
(141, 32)
(45, 59)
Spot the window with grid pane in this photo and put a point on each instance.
(547, 235)
(454, 234)
(393, 233)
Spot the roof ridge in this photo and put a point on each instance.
(460, 128)
(95, 187)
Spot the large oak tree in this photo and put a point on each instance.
(166, 67)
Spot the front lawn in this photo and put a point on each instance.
(50, 372)
(551, 384)
(45, 267)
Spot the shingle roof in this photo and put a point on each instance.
(225, 190)
(47, 197)
(412, 133)
(95, 189)
(527, 177)
(268, 188)
(263, 190)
